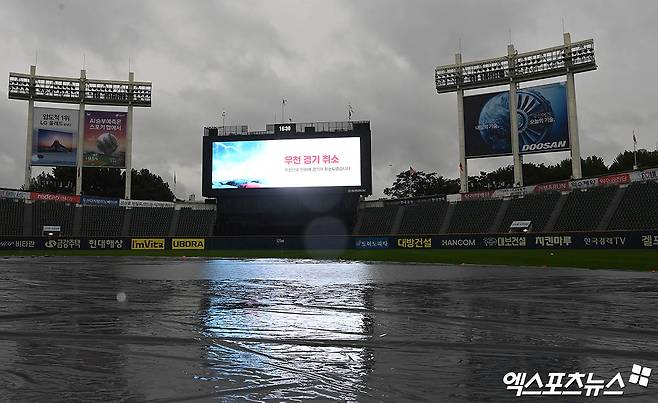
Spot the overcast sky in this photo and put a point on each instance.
(242, 56)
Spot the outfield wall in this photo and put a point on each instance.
(577, 240)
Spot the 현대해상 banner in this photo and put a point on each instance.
(105, 139)
(54, 137)
(542, 121)
(285, 163)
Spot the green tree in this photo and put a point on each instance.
(104, 182)
(625, 161)
(418, 183)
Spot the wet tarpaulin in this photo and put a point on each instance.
(163, 329)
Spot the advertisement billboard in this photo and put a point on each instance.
(542, 121)
(286, 163)
(54, 137)
(280, 162)
(105, 139)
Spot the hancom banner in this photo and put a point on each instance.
(54, 137)
(105, 139)
(542, 121)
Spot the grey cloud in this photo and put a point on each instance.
(243, 56)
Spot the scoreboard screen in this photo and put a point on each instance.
(336, 161)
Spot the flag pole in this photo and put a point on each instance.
(634, 150)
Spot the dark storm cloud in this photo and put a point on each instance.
(243, 56)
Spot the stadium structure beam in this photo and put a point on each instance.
(514, 124)
(463, 162)
(563, 60)
(81, 137)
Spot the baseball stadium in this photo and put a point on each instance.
(289, 281)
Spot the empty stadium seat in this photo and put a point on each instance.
(423, 218)
(536, 208)
(11, 217)
(377, 220)
(584, 209)
(474, 216)
(52, 213)
(195, 222)
(150, 221)
(637, 209)
(102, 221)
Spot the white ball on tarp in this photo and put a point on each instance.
(107, 143)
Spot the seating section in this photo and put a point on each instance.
(147, 221)
(584, 209)
(102, 221)
(52, 213)
(536, 208)
(11, 217)
(637, 209)
(377, 220)
(474, 216)
(423, 218)
(195, 222)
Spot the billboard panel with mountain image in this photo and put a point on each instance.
(54, 137)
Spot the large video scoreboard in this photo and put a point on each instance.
(285, 159)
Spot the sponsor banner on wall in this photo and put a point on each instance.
(63, 243)
(107, 243)
(73, 199)
(16, 243)
(99, 201)
(147, 244)
(552, 187)
(512, 192)
(373, 242)
(649, 174)
(584, 183)
(485, 194)
(414, 242)
(188, 244)
(542, 121)
(54, 137)
(617, 179)
(105, 139)
(144, 203)
(14, 194)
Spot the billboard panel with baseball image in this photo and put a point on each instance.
(105, 139)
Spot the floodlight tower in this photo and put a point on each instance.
(82, 91)
(563, 60)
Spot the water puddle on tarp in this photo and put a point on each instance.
(159, 329)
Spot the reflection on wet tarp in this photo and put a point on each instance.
(156, 329)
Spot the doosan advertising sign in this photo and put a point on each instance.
(542, 121)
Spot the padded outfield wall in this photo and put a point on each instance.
(576, 240)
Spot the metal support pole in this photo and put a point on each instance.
(30, 129)
(463, 167)
(576, 168)
(129, 135)
(513, 121)
(81, 135)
